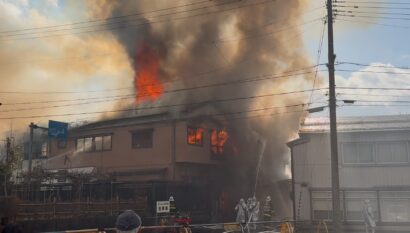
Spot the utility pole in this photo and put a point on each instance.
(30, 150)
(8, 149)
(333, 128)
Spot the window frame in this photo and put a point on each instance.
(196, 129)
(217, 154)
(93, 147)
(376, 162)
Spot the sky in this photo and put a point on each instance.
(376, 36)
(92, 63)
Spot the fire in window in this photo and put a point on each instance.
(195, 136)
(218, 140)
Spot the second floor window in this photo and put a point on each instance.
(142, 138)
(94, 143)
(195, 136)
(218, 140)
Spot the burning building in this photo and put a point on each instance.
(149, 157)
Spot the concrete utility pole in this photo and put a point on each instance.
(333, 128)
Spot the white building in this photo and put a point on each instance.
(374, 165)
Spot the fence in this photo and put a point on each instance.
(63, 210)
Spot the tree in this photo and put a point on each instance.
(10, 163)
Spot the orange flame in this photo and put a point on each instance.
(195, 136)
(146, 81)
(218, 140)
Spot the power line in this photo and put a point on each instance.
(122, 27)
(225, 40)
(375, 2)
(133, 109)
(105, 19)
(373, 17)
(163, 106)
(319, 53)
(374, 72)
(375, 23)
(372, 65)
(373, 13)
(372, 7)
(375, 88)
(375, 95)
(125, 16)
(119, 22)
(251, 79)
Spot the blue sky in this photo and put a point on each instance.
(367, 40)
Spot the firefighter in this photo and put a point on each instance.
(172, 206)
(268, 211)
(369, 218)
(241, 211)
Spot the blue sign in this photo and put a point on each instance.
(57, 129)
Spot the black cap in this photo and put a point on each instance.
(128, 220)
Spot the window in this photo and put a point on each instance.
(107, 143)
(395, 206)
(88, 144)
(142, 138)
(98, 143)
(79, 144)
(357, 153)
(355, 203)
(93, 144)
(322, 205)
(44, 149)
(392, 152)
(218, 140)
(61, 143)
(195, 136)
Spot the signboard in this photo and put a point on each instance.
(57, 129)
(162, 207)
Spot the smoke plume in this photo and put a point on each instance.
(200, 43)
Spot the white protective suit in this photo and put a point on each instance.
(241, 211)
(369, 218)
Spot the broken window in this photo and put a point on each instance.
(195, 135)
(142, 138)
(218, 140)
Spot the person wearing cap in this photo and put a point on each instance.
(128, 222)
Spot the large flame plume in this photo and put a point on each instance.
(146, 81)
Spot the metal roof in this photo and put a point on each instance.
(356, 124)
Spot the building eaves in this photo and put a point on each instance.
(144, 119)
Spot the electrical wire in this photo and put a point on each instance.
(374, 72)
(105, 19)
(122, 27)
(371, 65)
(319, 53)
(375, 23)
(162, 106)
(375, 88)
(249, 79)
(373, 17)
(371, 7)
(133, 109)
